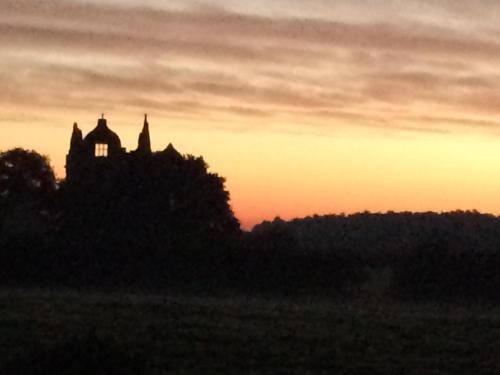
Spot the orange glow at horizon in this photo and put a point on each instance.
(290, 175)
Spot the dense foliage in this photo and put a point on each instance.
(25, 175)
(147, 221)
(27, 196)
(276, 255)
(447, 269)
(27, 188)
(163, 221)
(159, 221)
(440, 257)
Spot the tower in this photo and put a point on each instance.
(144, 144)
(76, 139)
(98, 150)
(75, 150)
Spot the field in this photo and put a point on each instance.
(221, 335)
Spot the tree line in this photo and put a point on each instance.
(164, 221)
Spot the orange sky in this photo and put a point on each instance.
(304, 106)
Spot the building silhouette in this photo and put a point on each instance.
(101, 149)
(130, 198)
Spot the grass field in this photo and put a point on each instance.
(194, 335)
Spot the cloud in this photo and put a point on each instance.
(213, 63)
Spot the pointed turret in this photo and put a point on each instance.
(144, 146)
(75, 152)
(76, 139)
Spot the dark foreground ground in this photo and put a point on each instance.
(65, 332)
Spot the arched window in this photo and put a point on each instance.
(101, 150)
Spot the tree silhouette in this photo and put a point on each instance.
(27, 189)
(160, 212)
(25, 175)
(27, 185)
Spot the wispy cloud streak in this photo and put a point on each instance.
(388, 73)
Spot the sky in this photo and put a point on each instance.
(304, 106)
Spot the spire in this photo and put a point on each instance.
(76, 138)
(144, 146)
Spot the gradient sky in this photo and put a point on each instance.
(305, 106)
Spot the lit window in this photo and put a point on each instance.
(101, 150)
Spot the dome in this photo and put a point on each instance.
(103, 135)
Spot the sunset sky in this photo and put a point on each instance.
(305, 106)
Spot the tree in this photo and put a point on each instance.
(25, 176)
(27, 183)
(27, 187)
(138, 216)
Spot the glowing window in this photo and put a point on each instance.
(101, 150)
